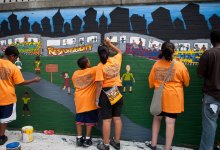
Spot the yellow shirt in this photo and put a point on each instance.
(127, 76)
(9, 76)
(109, 73)
(173, 96)
(26, 99)
(85, 88)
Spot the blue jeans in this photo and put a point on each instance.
(210, 113)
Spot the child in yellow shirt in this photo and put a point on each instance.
(26, 98)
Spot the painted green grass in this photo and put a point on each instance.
(45, 114)
(137, 104)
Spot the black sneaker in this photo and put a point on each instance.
(148, 144)
(114, 144)
(87, 142)
(102, 146)
(80, 141)
(3, 139)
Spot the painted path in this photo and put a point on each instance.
(53, 92)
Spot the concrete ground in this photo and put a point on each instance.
(64, 142)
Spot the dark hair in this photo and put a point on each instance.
(215, 37)
(167, 51)
(103, 52)
(26, 93)
(82, 61)
(37, 58)
(11, 50)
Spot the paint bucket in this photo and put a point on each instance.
(13, 146)
(27, 134)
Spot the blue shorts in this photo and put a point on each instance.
(7, 113)
(89, 118)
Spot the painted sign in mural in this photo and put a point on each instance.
(136, 30)
(52, 51)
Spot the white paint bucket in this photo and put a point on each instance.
(27, 134)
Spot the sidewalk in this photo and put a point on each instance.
(63, 142)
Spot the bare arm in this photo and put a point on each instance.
(112, 46)
(98, 91)
(36, 79)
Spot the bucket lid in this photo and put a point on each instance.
(27, 128)
(13, 145)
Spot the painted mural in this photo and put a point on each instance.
(60, 36)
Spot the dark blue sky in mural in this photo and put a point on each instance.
(134, 17)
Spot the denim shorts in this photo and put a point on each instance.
(89, 118)
(7, 113)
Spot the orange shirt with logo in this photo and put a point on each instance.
(10, 75)
(173, 95)
(109, 73)
(85, 88)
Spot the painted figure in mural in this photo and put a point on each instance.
(66, 83)
(140, 44)
(17, 41)
(107, 76)
(18, 63)
(84, 98)
(173, 97)
(10, 75)
(209, 69)
(66, 42)
(127, 79)
(203, 48)
(37, 64)
(26, 99)
(187, 47)
(196, 47)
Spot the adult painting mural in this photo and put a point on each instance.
(61, 36)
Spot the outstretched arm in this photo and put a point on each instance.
(36, 79)
(112, 46)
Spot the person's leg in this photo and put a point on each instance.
(155, 129)
(170, 124)
(124, 89)
(106, 129)
(79, 130)
(118, 127)
(88, 131)
(130, 89)
(64, 87)
(3, 127)
(210, 112)
(68, 90)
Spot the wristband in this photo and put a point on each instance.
(97, 101)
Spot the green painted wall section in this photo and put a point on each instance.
(136, 106)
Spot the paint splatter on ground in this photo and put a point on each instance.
(64, 142)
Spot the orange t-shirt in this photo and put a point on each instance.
(173, 95)
(9, 76)
(109, 73)
(85, 88)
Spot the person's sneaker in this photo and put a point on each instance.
(148, 144)
(87, 142)
(102, 146)
(114, 144)
(3, 139)
(80, 141)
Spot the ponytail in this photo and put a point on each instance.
(103, 52)
(167, 51)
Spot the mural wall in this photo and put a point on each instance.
(58, 37)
